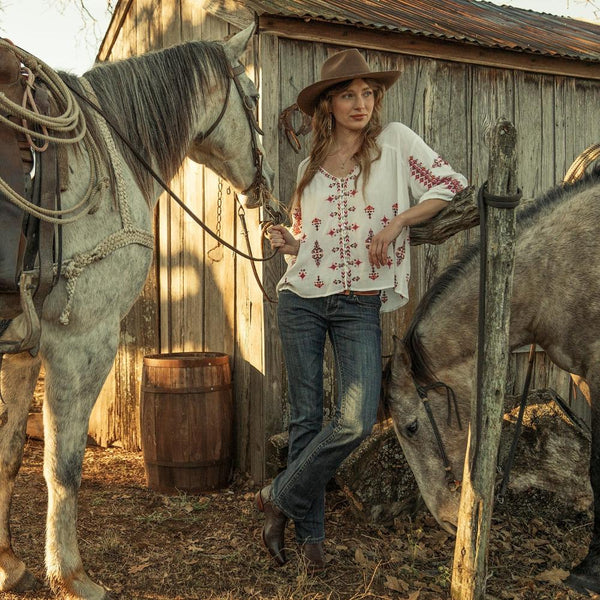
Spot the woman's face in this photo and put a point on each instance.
(353, 106)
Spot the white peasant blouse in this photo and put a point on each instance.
(335, 221)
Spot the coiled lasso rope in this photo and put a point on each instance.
(66, 128)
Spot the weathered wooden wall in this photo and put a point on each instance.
(192, 303)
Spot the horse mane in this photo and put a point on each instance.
(153, 100)
(526, 217)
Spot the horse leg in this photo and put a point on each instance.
(76, 368)
(586, 575)
(18, 378)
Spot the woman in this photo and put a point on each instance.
(348, 255)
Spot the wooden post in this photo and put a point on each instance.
(470, 554)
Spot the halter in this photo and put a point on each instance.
(258, 187)
(452, 482)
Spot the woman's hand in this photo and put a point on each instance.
(378, 250)
(282, 240)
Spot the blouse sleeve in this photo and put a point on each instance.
(430, 175)
(296, 216)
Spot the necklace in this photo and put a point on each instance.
(342, 163)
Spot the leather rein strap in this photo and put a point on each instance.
(451, 480)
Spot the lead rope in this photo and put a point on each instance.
(242, 215)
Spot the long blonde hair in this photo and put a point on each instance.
(323, 141)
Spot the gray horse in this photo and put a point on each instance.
(171, 103)
(555, 303)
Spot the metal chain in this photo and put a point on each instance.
(216, 252)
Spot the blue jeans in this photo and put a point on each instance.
(315, 452)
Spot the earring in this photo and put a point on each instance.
(330, 123)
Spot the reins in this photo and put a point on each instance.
(451, 481)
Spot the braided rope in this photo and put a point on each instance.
(129, 234)
(70, 123)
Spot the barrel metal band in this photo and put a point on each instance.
(197, 390)
(188, 465)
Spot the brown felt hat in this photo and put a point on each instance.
(343, 66)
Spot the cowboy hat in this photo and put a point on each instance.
(343, 66)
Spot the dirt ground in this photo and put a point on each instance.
(144, 545)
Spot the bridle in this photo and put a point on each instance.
(451, 481)
(258, 187)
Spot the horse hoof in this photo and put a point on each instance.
(584, 584)
(28, 583)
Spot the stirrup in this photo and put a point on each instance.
(23, 333)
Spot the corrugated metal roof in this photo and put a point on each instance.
(468, 21)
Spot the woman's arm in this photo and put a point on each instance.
(412, 216)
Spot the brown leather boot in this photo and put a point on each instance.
(314, 555)
(274, 529)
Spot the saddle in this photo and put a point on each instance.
(26, 243)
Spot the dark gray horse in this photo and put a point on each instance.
(555, 304)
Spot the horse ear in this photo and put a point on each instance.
(237, 44)
(400, 355)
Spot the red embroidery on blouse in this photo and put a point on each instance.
(316, 223)
(428, 179)
(297, 221)
(318, 282)
(400, 253)
(317, 253)
(370, 210)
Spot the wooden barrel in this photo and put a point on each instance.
(187, 421)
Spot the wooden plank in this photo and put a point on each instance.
(114, 31)
(446, 131)
(114, 420)
(193, 276)
(192, 17)
(274, 380)
(218, 310)
(309, 30)
(170, 17)
(300, 70)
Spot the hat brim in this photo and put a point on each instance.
(307, 98)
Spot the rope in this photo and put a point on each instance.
(69, 128)
(129, 234)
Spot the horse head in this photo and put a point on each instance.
(429, 427)
(230, 146)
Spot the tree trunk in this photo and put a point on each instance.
(470, 554)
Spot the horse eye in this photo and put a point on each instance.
(412, 428)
